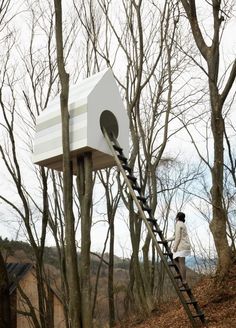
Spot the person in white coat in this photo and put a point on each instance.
(181, 247)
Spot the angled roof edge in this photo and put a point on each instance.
(78, 92)
(16, 271)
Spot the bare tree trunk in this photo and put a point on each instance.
(57, 227)
(112, 201)
(85, 188)
(140, 294)
(71, 254)
(146, 264)
(101, 262)
(218, 223)
(211, 54)
(5, 309)
(111, 271)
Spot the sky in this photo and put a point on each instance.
(180, 145)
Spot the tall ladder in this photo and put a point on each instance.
(183, 291)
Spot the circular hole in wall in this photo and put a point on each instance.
(109, 122)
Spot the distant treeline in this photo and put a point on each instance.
(51, 255)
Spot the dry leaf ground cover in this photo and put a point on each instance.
(217, 302)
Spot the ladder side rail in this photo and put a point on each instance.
(143, 216)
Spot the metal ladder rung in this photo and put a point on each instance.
(152, 220)
(198, 315)
(132, 178)
(146, 208)
(178, 277)
(137, 188)
(142, 199)
(127, 168)
(191, 302)
(164, 242)
(172, 265)
(184, 289)
(118, 148)
(156, 231)
(122, 158)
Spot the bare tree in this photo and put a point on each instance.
(211, 55)
(71, 254)
(112, 197)
(23, 206)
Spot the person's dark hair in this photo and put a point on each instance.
(180, 216)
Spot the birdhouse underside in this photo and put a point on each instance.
(99, 159)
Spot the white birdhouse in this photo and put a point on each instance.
(93, 103)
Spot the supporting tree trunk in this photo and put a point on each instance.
(85, 188)
(70, 248)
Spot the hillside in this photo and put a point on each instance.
(217, 302)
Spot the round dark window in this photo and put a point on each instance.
(109, 122)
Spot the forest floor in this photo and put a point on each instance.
(218, 303)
